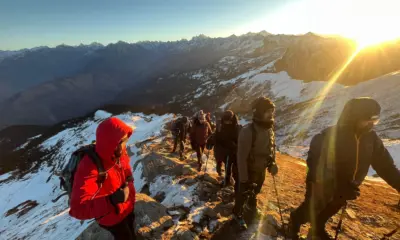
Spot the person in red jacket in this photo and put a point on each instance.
(112, 202)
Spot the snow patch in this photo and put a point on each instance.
(175, 194)
(100, 115)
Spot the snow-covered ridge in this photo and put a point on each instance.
(50, 220)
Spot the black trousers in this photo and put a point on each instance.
(123, 230)
(228, 159)
(240, 199)
(314, 212)
(179, 140)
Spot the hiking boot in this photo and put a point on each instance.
(240, 221)
(199, 168)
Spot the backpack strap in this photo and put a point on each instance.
(97, 161)
(253, 136)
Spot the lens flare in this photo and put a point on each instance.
(320, 97)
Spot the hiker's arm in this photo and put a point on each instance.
(84, 203)
(210, 131)
(384, 165)
(313, 157)
(244, 148)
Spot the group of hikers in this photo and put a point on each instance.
(338, 161)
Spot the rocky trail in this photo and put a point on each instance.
(177, 202)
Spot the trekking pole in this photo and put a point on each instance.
(339, 226)
(279, 207)
(226, 171)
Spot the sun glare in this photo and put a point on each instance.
(373, 38)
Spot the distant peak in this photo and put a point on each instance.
(201, 36)
(311, 34)
(96, 44)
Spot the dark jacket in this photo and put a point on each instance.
(339, 156)
(226, 136)
(181, 129)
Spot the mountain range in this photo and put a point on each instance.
(56, 97)
(43, 86)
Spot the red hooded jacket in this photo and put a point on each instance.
(88, 200)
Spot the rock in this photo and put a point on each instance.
(215, 198)
(210, 212)
(155, 164)
(272, 206)
(95, 232)
(270, 226)
(182, 181)
(179, 212)
(151, 218)
(160, 197)
(187, 170)
(190, 181)
(351, 214)
(210, 179)
(224, 210)
(183, 233)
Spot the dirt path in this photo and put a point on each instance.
(371, 216)
(374, 214)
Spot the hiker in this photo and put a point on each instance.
(226, 138)
(338, 161)
(112, 202)
(256, 153)
(179, 131)
(208, 118)
(200, 132)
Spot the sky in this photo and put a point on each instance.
(32, 23)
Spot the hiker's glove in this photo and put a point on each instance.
(120, 196)
(273, 169)
(129, 178)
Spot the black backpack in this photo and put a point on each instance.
(68, 173)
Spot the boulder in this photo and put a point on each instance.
(183, 233)
(190, 181)
(187, 170)
(210, 212)
(151, 217)
(224, 210)
(95, 232)
(155, 164)
(151, 220)
(270, 225)
(208, 178)
(352, 215)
